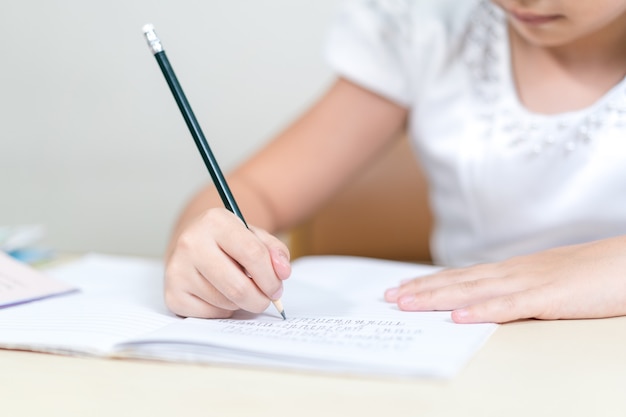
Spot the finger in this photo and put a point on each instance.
(251, 253)
(506, 308)
(211, 274)
(232, 286)
(200, 287)
(182, 280)
(224, 257)
(440, 279)
(188, 305)
(278, 251)
(459, 294)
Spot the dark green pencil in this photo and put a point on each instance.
(196, 132)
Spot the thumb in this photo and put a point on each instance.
(280, 262)
(279, 253)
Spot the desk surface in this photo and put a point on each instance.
(532, 368)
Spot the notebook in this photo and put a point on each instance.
(337, 321)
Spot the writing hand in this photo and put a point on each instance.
(218, 266)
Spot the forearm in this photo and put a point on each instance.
(212, 256)
(309, 162)
(321, 152)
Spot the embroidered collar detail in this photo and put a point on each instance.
(485, 50)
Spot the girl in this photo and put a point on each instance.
(517, 111)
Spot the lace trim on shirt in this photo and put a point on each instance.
(529, 134)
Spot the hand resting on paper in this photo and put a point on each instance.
(217, 266)
(572, 282)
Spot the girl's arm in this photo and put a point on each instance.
(211, 253)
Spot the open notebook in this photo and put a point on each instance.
(337, 321)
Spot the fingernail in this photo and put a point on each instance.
(282, 267)
(460, 315)
(278, 294)
(391, 293)
(280, 257)
(407, 300)
(283, 258)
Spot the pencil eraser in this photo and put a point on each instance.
(149, 27)
(153, 41)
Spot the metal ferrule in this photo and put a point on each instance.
(153, 40)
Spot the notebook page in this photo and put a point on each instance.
(337, 322)
(119, 298)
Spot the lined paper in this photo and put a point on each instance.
(337, 321)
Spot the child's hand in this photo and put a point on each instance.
(582, 281)
(218, 266)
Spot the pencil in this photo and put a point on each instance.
(196, 132)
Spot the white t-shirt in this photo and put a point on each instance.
(503, 180)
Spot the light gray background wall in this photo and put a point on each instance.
(91, 142)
